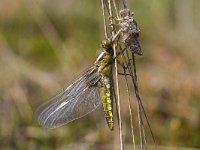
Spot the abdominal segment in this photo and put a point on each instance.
(106, 97)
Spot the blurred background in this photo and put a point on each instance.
(46, 44)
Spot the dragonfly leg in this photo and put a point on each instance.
(123, 65)
(124, 74)
(121, 52)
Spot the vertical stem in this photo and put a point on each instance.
(104, 18)
(118, 102)
(124, 3)
(129, 101)
(139, 103)
(115, 6)
(116, 76)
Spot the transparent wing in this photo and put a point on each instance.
(73, 102)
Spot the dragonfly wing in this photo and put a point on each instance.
(73, 102)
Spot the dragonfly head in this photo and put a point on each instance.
(107, 45)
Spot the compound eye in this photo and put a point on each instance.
(107, 44)
(104, 43)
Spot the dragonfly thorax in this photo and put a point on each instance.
(105, 57)
(103, 62)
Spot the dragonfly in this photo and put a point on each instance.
(129, 31)
(84, 95)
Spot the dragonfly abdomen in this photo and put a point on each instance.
(106, 97)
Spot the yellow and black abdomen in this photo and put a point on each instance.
(104, 62)
(106, 97)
